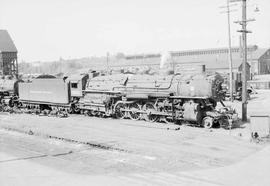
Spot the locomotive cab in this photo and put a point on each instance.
(78, 85)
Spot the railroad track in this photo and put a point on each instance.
(69, 140)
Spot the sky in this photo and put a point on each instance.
(45, 30)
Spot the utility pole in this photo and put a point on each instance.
(244, 64)
(244, 32)
(228, 11)
(229, 50)
(107, 60)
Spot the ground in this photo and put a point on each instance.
(80, 150)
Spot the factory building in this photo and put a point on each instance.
(215, 59)
(8, 55)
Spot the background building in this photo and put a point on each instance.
(215, 59)
(8, 55)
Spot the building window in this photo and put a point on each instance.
(74, 85)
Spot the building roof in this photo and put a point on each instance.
(210, 51)
(211, 60)
(6, 43)
(218, 58)
(258, 53)
(214, 58)
(76, 77)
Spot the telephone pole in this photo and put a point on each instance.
(228, 11)
(244, 64)
(107, 62)
(229, 50)
(244, 32)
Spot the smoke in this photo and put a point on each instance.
(166, 60)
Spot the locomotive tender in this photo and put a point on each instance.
(8, 91)
(168, 98)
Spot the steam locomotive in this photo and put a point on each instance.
(165, 98)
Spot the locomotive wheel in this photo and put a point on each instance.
(149, 107)
(103, 115)
(86, 113)
(118, 110)
(207, 122)
(62, 114)
(89, 113)
(69, 110)
(76, 109)
(133, 114)
(168, 120)
(94, 113)
(82, 112)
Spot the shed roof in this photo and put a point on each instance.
(6, 43)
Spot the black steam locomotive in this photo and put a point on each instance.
(166, 98)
